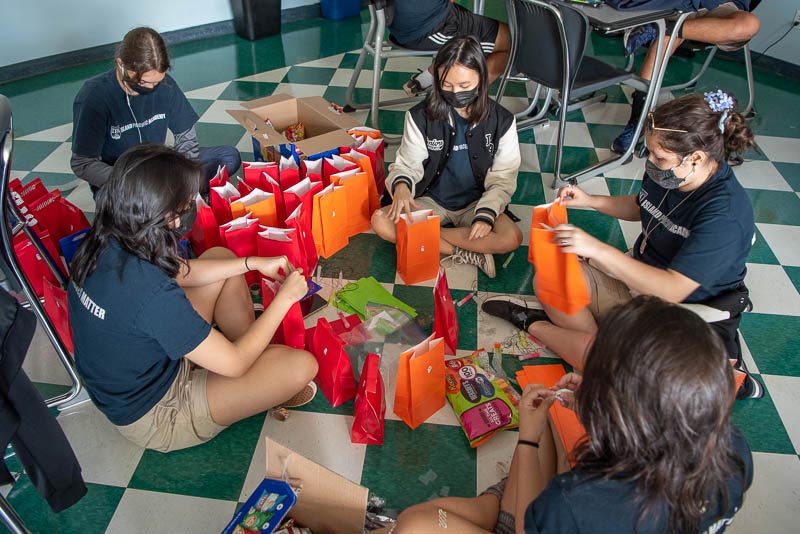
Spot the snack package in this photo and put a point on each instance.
(296, 132)
(483, 402)
(264, 510)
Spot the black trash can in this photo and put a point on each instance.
(254, 19)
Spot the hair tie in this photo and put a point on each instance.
(720, 102)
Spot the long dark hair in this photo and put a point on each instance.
(149, 185)
(464, 51)
(656, 401)
(692, 114)
(142, 50)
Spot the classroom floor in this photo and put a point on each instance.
(197, 490)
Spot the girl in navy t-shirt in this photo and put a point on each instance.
(141, 315)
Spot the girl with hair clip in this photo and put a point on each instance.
(697, 230)
(660, 453)
(136, 102)
(459, 157)
(141, 315)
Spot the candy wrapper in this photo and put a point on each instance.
(264, 510)
(295, 132)
(483, 402)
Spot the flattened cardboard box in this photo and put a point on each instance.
(326, 128)
(327, 502)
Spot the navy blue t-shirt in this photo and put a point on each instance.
(577, 501)
(103, 125)
(414, 19)
(131, 324)
(706, 239)
(457, 187)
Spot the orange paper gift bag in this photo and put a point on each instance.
(366, 165)
(329, 223)
(356, 187)
(420, 389)
(260, 205)
(418, 246)
(559, 277)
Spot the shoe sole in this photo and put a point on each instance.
(303, 397)
(534, 305)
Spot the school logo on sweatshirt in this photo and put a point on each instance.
(435, 145)
(115, 132)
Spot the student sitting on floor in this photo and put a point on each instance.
(141, 315)
(661, 454)
(459, 157)
(697, 230)
(136, 102)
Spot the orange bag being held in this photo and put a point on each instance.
(329, 223)
(418, 246)
(559, 276)
(420, 389)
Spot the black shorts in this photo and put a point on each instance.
(459, 22)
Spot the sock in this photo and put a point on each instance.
(636, 106)
(425, 78)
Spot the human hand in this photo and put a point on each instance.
(479, 230)
(573, 196)
(565, 389)
(293, 288)
(402, 202)
(533, 408)
(276, 268)
(573, 240)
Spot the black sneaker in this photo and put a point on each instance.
(520, 316)
(751, 388)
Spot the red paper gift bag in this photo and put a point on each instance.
(55, 306)
(289, 172)
(340, 326)
(445, 323)
(370, 405)
(220, 198)
(205, 232)
(291, 331)
(58, 216)
(335, 376)
(311, 169)
(33, 265)
(356, 187)
(420, 389)
(329, 221)
(559, 277)
(300, 220)
(335, 164)
(300, 192)
(30, 192)
(253, 172)
(418, 246)
(276, 242)
(372, 145)
(239, 235)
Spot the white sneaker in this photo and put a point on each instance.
(485, 262)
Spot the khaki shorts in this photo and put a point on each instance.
(180, 419)
(722, 10)
(606, 290)
(458, 218)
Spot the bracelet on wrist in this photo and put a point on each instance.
(245, 263)
(528, 443)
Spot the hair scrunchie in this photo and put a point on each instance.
(720, 102)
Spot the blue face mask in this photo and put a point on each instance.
(666, 177)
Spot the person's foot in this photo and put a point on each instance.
(638, 37)
(517, 313)
(750, 388)
(416, 85)
(623, 140)
(484, 262)
(303, 397)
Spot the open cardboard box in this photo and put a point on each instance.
(326, 502)
(326, 128)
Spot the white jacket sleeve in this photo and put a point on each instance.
(407, 167)
(501, 178)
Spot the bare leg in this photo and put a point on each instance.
(504, 237)
(226, 303)
(498, 59)
(477, 515)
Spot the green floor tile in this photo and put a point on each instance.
(421, 299)
(239, 90)
(28, 154)
(515, 279)
(790, 173)
(761, 425)
(390, 122)
(467, 320)
(366, 255)
(394, 80)
(338, 95)
(309, 75)
(513, 89)
(209, 134)
(53, 179)
(530, 190)
(773, 341)
(761, 253)
(349, 62)
(776, 207)
(574, 158)
(621, 186)
(200, 105)
(604, 228)
(320, 404)
(527, 136)
(794, 275)
(215, 469)
(91, 514)
(433, 460)
(603, 135)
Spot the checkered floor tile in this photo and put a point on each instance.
(197, 490)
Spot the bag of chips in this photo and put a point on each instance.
(483, 402)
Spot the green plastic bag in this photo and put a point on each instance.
(354, 297)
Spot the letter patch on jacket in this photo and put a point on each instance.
(489, 143)
(435, 144)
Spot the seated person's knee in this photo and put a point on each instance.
(381, 224)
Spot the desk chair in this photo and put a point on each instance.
(11, 224)
(548, 41)
(376, 46)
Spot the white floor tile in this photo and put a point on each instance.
(145, 512)
(577, 134)
(300, 90)
(749, 362)
(630, 231)
(211, 92)
(783, 241)
(607, 113)
(58, 134)
(82, 197)
(785, 393)
(104, 454)
(530, 158)
(494, 459)
(41, 363)
(217, 112)
(342, 78)
(781, 149)
(274, 76)
(459, 276)
(408, 64)
(771, 504)
(634, 170)
(245, 146)
(325, 62)
(771, 290)
(761, 175)
(493, 330)
(57, 161)
(525, 214)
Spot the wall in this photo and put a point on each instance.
(776, 16)
(40, 28)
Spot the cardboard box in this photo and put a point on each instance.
(326, 128)
(326, 502)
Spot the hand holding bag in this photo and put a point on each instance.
(291, 331)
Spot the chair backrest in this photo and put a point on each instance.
(544, 31)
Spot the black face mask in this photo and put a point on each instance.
(142, 90)
(460, 99)
(187, 221)
(665, 177)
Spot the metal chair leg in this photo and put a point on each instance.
(693, 81)
(11, 519)
(360, 62)
(751, 85)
